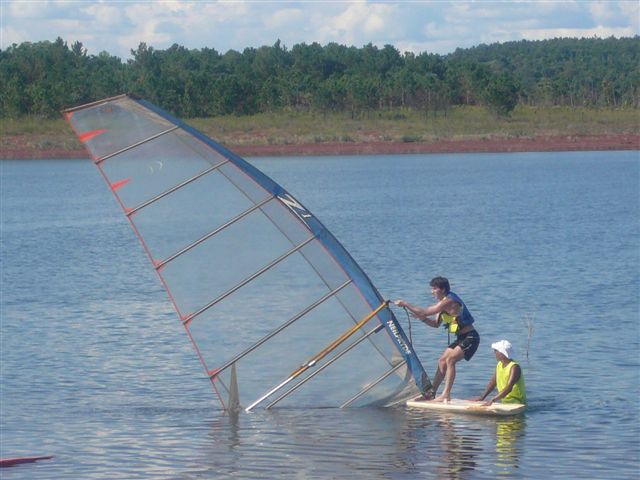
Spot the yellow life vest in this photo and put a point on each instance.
(450, 320)
(517, 393)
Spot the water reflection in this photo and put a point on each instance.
(452, 446)
(509, 434)
(362, 443)
(233, 420)
(460, 445)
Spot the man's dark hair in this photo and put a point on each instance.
(441, 283)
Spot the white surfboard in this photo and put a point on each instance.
(456, 405)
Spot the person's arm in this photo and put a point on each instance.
(514, 376)
(423, 314)
(489, 388)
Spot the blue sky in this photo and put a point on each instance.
(433, 26)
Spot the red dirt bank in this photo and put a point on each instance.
(16, 150)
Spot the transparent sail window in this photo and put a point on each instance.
(155, 167)
(187, 214)
(223, 261)
(125, 123)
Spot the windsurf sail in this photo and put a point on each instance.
(277, 310)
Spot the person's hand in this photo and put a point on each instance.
(488, 403)
(400, 303)
(476, 399)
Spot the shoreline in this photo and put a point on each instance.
(549, 143)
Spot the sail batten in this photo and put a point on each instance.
(326, 365)
(257, 281)
(282, 327)
(320, 355)
(137, 144)
(104, 101)
(214, 232)
(250, 278)
(175, 188)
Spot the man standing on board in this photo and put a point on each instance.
(451, 310)
(507, 377)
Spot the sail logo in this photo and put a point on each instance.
(394, 330)
(294, 206)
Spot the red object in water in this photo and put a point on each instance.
(10, 462)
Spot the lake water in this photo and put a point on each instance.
(97, 371)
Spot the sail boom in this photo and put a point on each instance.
(320, 355)
(327, 364)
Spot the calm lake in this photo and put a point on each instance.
(543, 247)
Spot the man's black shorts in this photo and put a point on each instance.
(468, 342)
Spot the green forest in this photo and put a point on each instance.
(42, 78)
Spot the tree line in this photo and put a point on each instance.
(43, 78)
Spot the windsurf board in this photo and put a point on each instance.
(456, 405)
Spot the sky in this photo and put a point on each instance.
(118, 26)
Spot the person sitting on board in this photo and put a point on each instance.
(508, 377)
(451, 310)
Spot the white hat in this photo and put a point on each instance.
(504, 347)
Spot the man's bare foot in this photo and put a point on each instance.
(428, 395)
(441, 399)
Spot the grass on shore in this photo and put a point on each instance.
(400, 125)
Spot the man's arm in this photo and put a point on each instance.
(490, 386)
(423, 314)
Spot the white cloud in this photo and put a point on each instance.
(224, 12)
(356, 23)
(11, 35)
(374, 24)
(24, 9)
(631, 10)
(603, 11)
(118, 26)
(599, 31)
(284, 18)
(105, 15)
